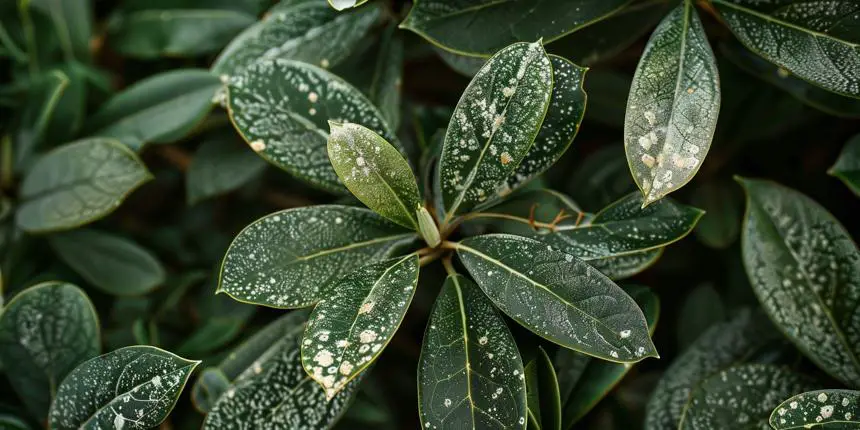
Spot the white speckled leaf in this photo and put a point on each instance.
(720, 347)
(817, 41)
(847, 166)
(494, 125)
(470, 374)
(673, 105)
(45, 331)
(273, 391)
(375, 172)
(349, 329)
(302, 30)
(78, 183)
(134, 388)
(558, 297)
(482, 27)
(805, 270)
(282, 109)
(741, 397)
(291, 259)
(830, 409)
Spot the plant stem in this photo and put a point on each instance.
(433, 256)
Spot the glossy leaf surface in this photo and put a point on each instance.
(847, 166)
(543, 397)
(221, 164)
(826, 409)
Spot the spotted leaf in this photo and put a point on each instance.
(741, 397)
(805, 270)
(375, 172)
(45, 331)
(349, 329)
(815, 41)
(482, 27)
(78, 183)
(134, 387)
(494, 125)
(282, 109)
(470, 374)
(292, 258)
(847, 167)
(302, 30)
(558, 297)
(836, 409)
(673, 105)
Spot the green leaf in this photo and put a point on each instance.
(292, 258)
(302, 30)
(348, 330)
(543, 397)
(282, 109)
(11, 422)
(833, 409)
(375, 172)
(136, 386)
(78, 183)
(494, 125)
(673, 105)
(558, 297)
(847, 166)
(345, 4)
(603, 176)
(274, 391)
(720, 226)
(466, 66)
(153, 33)
(45, 331)
(608, 101)
(805, 269)
(482, 27)
(584, 381)
(385, 87)
(470, 374)
(158, 109)
(111, 263)
(702, 308)
(72, 24)
(221, 164)
(804, 38)
(740, 397)
(722, 346)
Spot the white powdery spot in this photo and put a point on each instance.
(624, 334)
(313, 97)
(447, 403)
(505, 158)
(367, 336)
(365, 308)
(346, 368)
(118, 422)
(845, 401)
(156, 380)
(822, 397)
(648, 160)
(826, 411)
(613, 354)
(483, 340)
(793, 405)
(508, 91)
(650, 117)
(324, 358)
(258, 145)
(324, 63)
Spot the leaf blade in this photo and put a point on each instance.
(834, 407)
(847, 166)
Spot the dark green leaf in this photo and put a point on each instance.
(375, 172)
(741, 397)
(291, 259)
(482, 27)
(831, 409)
(847, 166)
(78, 183)
(673, 105)
(349, 329)
(806, 38)
(608, 101)
(558, 296)
(494, 126)
(387, 81)
(544, 401)
(72, 22)
(805, 269)
(158, 109)
(720, 225)
(45, 331)
(135, 386)
(603, 176)
(470, 373)
(302, 30)
(221, 164)
(10, 422)
(702, 308)
(282, 109)
(466, 66)
(112, 263)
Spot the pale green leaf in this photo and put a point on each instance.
(543, 397)
(470, 374)
(558, 297)
(292, 258)
(494, 125)
(113, 264)
(482, 27)
(78, 183)
(345, 4)
(134, 387)
(847, 166)
(282, 109)
(805, 270)
(375, 172)
(158, 109)
(223, 163)
(302, 30)
(816, 41)
(45, 331)
(673, 105)
(829, 409)
(741, 397)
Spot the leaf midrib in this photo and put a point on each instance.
(468, 367)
